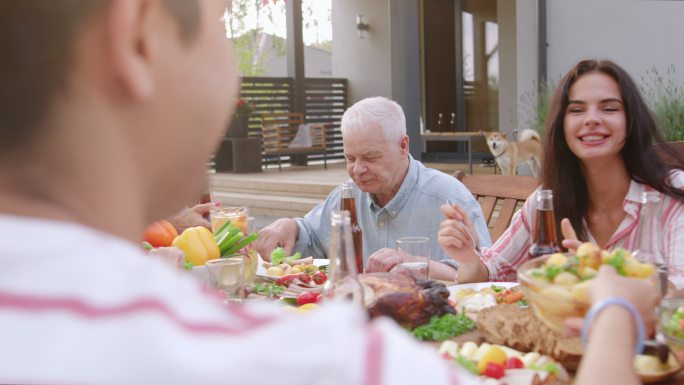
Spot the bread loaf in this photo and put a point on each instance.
(520, 329)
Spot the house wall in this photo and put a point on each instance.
(637, 34)
(518, 38)
(366, 63)
(508, 65)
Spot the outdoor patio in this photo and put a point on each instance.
(292, 192)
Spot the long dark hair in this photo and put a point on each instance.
(561, 168)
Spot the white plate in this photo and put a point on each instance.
(261, 271)
(479, 286)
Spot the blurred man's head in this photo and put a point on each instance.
(139, 89)
(376, 146)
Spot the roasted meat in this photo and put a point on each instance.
(408, 301)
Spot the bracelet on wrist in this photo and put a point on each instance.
(610, 301)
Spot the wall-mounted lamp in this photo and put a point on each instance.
(361, 26)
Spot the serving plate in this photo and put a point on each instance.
(478, 286)
(652, 377)
(261, 270)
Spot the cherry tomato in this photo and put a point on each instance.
(304, 278)
(319, 277)
(307, 297)
(494, 370)
(514, 363)
(681, 323)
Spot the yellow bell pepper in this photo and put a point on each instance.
(198, 245)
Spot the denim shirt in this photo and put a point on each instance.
(412, 212)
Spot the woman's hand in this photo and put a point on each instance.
(640, 293)
(570, 240)
(457, 236)
(192, 217)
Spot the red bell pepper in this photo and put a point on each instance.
(160, 234)
(307, 297)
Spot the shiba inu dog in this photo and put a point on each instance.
(509, 155)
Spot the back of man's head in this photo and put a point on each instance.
(37, 41)
(375, 113)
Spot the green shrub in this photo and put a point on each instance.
(534, 106)
(665, 98)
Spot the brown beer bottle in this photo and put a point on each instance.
(545, 240)
(348, 203)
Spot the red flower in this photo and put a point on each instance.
(243, 107)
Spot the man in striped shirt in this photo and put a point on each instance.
(108, 112)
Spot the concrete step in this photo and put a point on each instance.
(268, 205)
(258, 185)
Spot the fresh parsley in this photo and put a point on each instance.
(188, 265)
(268, 289)
(443, 327)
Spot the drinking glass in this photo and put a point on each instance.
(228, 276)
(416, 252)
(237, 215)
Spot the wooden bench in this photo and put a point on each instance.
(490, 190)
(280, 129)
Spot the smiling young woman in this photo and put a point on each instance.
(600, 133)
(598, 160)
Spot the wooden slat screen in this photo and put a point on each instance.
(326, 101)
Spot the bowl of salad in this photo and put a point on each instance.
(671, 324)
(557, 286)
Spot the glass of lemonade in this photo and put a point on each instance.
(416, 252)
(228, 276)
(250, 264)
(237, 215)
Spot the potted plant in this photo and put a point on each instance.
(239, 126)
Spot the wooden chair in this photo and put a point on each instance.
(512, 191)
(279, 130)
(489, 190)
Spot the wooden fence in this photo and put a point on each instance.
(326, 101)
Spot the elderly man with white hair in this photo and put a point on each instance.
(396, 196)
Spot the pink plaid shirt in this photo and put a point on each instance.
(510, 250)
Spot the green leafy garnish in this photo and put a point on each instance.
(147, 246)
(673, 325)
(467, 364)
(277, 256)
(498, 289)
(188, 265)
(573, 261)
(522, 302)
(617, 260)
(293, 257)
(549, 367)
(444, 327)
(552, 271)
(289, 301)
(268, 289)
